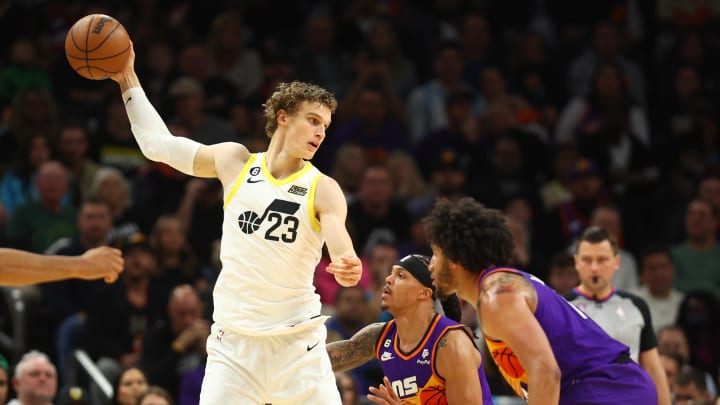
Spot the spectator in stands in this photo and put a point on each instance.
(690, 387)
(35, 225)
(219, 92)
(351, 314)
(35, 380)
(229, 55)
(348, 166)
(699, 317)
(562, 276)
(605, 46)
(72, 147)
(672, 364)
(117, 146)
(697, 259)
(155, 395)
(177, 262)
(18, 184)
(370, 125)
(656, 287)
(375, 212)
(176, 344)
(426, 107)
(124, 311)
(69, 301)
(187, 95)
(130, 385)
(111, 186)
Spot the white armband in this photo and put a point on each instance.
(153, 136)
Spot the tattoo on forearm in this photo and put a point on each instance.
(356, 351)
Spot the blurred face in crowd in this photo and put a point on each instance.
(377, 185)
(39, 151)
(132, 383)
(36, 381)
(563, 278)
(371, 107)
(170, 235)
(709, 190)
(94, 223)
(700, 221)
(674, 341)
(51, 182)
(608, 219)
(73, 144)
(657, 273)
(351, 304)
(184, 308)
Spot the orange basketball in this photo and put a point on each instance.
(97, 46)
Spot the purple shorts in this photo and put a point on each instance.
(625, 383)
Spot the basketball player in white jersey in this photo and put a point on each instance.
(267, 343)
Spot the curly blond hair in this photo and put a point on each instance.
(289, 97)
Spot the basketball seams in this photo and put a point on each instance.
(96, 56)
(117, 24)
(87, 42)
(102, 58)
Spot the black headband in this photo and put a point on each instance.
(416, 265)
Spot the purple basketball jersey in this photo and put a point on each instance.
(580, 346)
(413, 375)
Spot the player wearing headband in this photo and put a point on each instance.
(426, 357)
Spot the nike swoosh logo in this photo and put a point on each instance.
(128, 100)
(254, 181)
(313, 346)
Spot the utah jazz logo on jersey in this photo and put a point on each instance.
(278, 213)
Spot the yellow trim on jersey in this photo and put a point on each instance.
(292, 177)
(238, 180)
(311, 202)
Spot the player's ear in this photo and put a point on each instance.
(282, 117)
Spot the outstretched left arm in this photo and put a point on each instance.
(331, 209)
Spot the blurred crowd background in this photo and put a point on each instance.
(561, 113)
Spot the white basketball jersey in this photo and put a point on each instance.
(271, 244)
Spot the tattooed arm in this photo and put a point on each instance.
(506, 306)
(356, 351)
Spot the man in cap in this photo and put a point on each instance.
(424, 355)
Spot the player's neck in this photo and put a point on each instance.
(412, 328)
(468, 286)
(279, 163)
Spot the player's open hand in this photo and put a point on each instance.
(347, 271)
(384, 394)
(101, 262)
